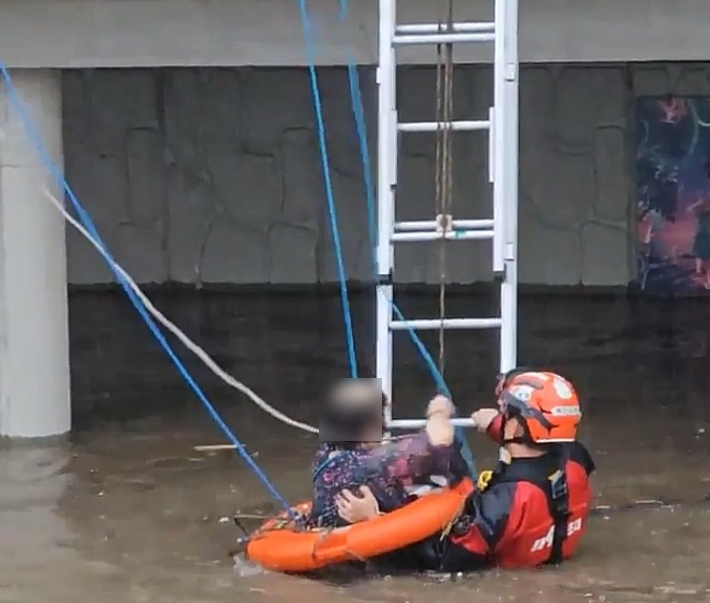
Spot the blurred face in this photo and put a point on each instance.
(353, 412)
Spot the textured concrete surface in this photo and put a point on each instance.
(188, 33)
(213, 175)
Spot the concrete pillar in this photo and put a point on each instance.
(34, 340)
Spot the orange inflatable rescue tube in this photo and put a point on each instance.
(280, 546)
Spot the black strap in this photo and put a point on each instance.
(558, 502)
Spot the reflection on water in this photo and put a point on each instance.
(128, 511)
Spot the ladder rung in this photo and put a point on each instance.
(432, 28)
(431, 324)
(417, 423)
(435, 126)
(449, 235)
(442, 38)
(419, 225)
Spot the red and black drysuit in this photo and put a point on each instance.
(532, 512)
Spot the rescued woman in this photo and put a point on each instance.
(352, 455)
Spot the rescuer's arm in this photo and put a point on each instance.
(495, 429)
(489, 421)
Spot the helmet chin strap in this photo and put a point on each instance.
(516, 440)
(523, 439)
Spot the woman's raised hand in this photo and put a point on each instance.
(439, 428)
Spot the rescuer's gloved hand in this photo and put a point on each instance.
(484, 417)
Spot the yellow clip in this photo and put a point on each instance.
(484, 478)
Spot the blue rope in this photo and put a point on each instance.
(58, 176)
(330, 195)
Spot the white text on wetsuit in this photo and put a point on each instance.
(545, 543)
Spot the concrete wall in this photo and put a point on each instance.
(213, 175)
(152, 33)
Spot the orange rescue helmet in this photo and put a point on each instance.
(546, 404)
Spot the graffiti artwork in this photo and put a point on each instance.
(673, 194)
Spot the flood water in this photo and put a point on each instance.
(130, 512)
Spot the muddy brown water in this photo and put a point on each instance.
(129, 512)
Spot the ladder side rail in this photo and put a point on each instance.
(506, 104)
(386, 183)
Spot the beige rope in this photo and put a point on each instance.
(443, 161)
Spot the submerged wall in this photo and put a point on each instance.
(213, 175)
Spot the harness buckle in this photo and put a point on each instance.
(461, 526)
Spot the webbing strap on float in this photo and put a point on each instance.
(83, 216)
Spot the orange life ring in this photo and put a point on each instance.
(279, 546)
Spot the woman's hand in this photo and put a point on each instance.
(440, 405)
(353, 508)
(439, 430)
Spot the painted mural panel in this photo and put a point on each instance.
(673, 194)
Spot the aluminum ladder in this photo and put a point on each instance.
(502, 230)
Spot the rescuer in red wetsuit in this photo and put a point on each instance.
(533, 508)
